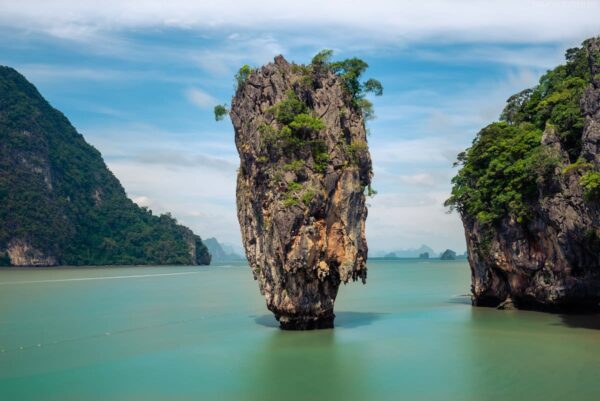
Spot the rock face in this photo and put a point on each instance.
(60, 204)
(304, 168)
(553, 261)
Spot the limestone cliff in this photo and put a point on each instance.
(534, 238)
(304, 169)
(60, 204)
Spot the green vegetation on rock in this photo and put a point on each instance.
(590, 182)
(350, 71)
(501, 171)
(220, 111)
(242, 75)
(58, 196)
(293, 129)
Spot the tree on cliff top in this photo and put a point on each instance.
(349, 70)
(500, 172)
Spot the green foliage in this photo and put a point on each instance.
(296, 136)
(500, 173)
(294, 186)
(366, 108)
(243, 74)
(355, 149)
(307, 197)
(304, 123)
(370, 191)
(64, 201)
(322, 58)
(513, 112)
(320, 156)
(289, 108)
(290, 200)
(580, 164)
(295, 165)
(220, 111)
(555, 101)
(590, 182)
(291, 196)
(351, 71)
(373, 86)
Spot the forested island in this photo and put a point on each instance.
(60, 203)
(528, 192)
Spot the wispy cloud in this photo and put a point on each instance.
(184, 159)
(143, 69)
(237, 49)
(200, 98)
(381, 20)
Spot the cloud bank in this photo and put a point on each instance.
(383, 20)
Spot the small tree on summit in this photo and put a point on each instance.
(350, 71)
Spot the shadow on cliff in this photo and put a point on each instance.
(347, 320)
(582, 321)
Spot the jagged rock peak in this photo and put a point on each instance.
(304, 168)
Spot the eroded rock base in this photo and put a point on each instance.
(306, 322)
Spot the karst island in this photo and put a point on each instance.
(305, 172)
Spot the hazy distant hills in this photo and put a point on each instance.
(414, 253)
(407, 253)
(219, 251)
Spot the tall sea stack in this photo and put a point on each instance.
(304, 170)
(529, 193)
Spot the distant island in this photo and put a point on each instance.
(60, 203)
(409, 253)
(220, 252)
(448, 254)
(423, 252)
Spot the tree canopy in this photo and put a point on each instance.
(500, 172)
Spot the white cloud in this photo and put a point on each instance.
(200, 198)
(237, 50)
(389, 21)
(408, 220)
(200, 98)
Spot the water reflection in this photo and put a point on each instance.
(583, 321)
(307, 365)
(346, 320)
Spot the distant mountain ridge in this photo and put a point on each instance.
(411, 252)
(220, 252)
(59, 203)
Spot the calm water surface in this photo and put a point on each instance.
(194, 333)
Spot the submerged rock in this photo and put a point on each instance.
(304, 168)
(546, 255)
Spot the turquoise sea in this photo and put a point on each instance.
(203, 333)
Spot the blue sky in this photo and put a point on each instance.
(139, 80)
